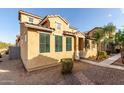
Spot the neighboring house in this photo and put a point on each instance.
(92, 32)
(45, 41)
(104, 45)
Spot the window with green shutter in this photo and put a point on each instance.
(44, 43)
(68, 43)
(58, 43)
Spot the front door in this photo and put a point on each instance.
(80, 47)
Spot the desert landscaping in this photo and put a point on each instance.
(13, 72)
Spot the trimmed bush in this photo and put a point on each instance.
(67, 65)
(117, 50)
(102, 54)
(108, 52)
(7, 52)
(0, 55)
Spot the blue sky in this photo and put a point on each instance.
(84, 19)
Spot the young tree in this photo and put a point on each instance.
(109, 29)
(98, 35)
(119, 38)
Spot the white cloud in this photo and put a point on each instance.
(109, 15)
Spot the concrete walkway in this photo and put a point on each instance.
(106, 63)
(111, 59)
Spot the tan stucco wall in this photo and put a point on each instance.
(25, 18)
(89, 52)
(33, 46)
(53, 20)
(23, 44)
(33, 43)
(30, 54)
(59, 55)
(37, 59)
(65, 26)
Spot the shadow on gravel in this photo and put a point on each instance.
(70, 79)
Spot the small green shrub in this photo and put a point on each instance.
(108, 52)
(0, 55)
(117, 50)
(67, 65)
(7, 52)
(102, 54)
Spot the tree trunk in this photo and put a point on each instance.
(122, 54)
(97, 57)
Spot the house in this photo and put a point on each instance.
(44, 41)
(104, 45)
(91, 33)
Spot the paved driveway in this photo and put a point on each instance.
(13, 72)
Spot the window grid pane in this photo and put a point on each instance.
(68, 43)
(58, 43)
(58, 25)
(44, 42)
(31, 19)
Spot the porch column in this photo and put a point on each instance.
(83, 44)
(77, 49)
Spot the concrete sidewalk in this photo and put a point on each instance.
(111, 59)
(106, 63)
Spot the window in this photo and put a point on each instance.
(44, 43)
(58, 25)
(68, 43)
(30, 19)
(58, 43)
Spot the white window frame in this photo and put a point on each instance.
(56, 24)
(29, 19)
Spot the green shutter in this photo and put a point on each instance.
(58, 43)
(47, 43)
(44, 43)
(68, 43)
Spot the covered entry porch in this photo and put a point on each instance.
(79, 45)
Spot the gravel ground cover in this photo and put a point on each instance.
(12, 72)
(118, 63)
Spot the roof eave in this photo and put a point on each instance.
(30, 14)
(38, 27)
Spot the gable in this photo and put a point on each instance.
(80, 34)
(57, 20)
(91, 32)
(54, 17)
(24, 17)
